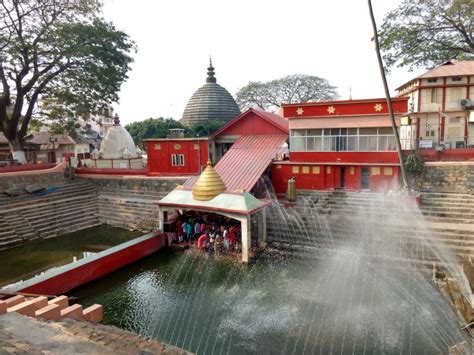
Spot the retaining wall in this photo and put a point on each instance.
(126, 201)
(70, 276)
(21, 178)
(453, 177)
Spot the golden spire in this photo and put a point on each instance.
(208, 185)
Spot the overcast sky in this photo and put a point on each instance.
(248, 40)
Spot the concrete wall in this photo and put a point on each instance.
(453, 177)
(128, 201)
(20, 180)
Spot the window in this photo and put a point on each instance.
(388, 170)
(342, 139)
(295, 169)
(456, 78)
(305, 170)
(352, 170)
(177, 159)
(375, 171)
(434, 95)
(430, 133)
(316, 170)
(432, 80)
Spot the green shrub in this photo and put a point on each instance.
(414, 163)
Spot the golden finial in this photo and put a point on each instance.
(208, 185)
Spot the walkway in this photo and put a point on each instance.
(24, 335)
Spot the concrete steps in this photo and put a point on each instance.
(54, 308)
(73, 207)
(330, 221)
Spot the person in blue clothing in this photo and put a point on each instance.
(197, 229)
(184, 231)
(189, 231)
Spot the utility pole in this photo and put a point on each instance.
(389, 100)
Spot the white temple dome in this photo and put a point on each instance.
(118, 143)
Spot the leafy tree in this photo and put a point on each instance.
(58, 58)
(68, 125)
(152, 128)
(204, 129)
(414, 163)
(295, 88)
(35, 125)
(159, 127)
(425, 33)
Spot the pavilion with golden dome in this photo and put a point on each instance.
(209, 194)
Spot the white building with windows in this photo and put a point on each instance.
(441, 106)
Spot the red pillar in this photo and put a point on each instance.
(417, 128)
(441, 128)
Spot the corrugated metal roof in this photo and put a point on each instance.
(274, 119)
(244, 163)
(43, 137)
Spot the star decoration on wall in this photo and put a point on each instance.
(331, 109)
(378, 107)
(299, 111)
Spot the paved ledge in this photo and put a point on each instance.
(25, 335)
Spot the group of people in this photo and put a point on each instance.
(214, 237)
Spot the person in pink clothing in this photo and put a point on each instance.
(202, 240)
(179, 229)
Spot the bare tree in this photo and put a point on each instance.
(389, 99)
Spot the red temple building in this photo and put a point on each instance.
(252, 132)
(341, 145)
(176, 156)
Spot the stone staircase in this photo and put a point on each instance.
(49, 308)
(385, 226)
(72, 207)
(448, 208)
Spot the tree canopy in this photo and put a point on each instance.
(425, 33)
(158, 128)
(151, 128)
(57, 59)
(269, 95)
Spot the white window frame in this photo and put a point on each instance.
(177, 159)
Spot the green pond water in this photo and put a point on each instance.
(30, 259)
(342, 304)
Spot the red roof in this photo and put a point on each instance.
(247, 159)
(272, 118)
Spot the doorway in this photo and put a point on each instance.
(365, 179)
(342, 177)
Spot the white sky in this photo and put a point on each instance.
(249, 40)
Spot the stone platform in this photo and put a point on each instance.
(25, 335)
